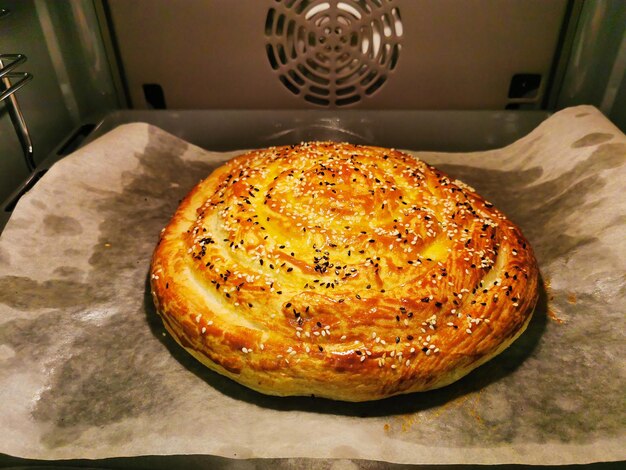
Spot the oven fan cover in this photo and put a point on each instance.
(330, 52)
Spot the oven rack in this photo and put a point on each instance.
(8, 62)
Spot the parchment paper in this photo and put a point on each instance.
(86, 370)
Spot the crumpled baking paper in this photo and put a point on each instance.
(86, 370)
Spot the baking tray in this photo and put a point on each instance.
(223, 136)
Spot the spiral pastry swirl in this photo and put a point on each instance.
(342, 271)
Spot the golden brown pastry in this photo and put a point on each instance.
(341, 271)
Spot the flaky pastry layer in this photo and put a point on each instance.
(341, 271)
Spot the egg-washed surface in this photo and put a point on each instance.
(88, 371)
(341, 271)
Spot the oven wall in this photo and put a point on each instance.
(596, 64)
(454, 55)
(71, 77)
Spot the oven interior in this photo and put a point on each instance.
(428, 75)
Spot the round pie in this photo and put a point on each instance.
(341, 271)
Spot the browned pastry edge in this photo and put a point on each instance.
(270, 354)
(306, 387)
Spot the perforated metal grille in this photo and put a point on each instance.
(333, 52)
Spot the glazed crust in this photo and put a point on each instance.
(341, 271)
